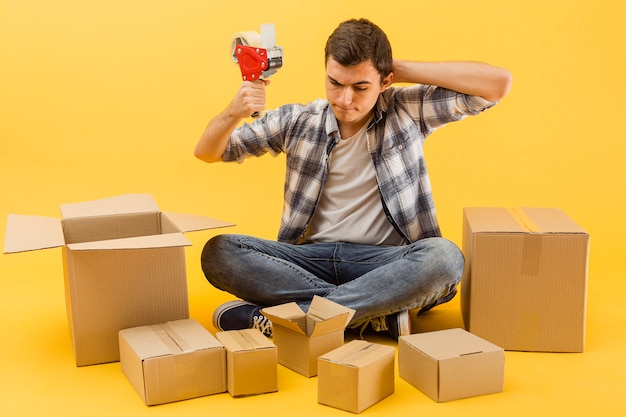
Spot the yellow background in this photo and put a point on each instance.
(101, 98)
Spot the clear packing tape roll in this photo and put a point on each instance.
(249, 38)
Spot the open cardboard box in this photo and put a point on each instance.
(525, 281)
(124, 266)
(302, 337)
(451, 364)
(356, 375)
(172, 361)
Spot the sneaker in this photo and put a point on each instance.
(399, 324)
(237, 315)
(396, 324)
(442, 300)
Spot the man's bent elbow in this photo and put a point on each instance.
(206, 156)
(503, 81)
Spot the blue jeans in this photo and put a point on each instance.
(373, 280)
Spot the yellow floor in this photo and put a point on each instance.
(39, 376)
(99, 99)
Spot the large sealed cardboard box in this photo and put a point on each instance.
(302, 337)
(356, 376)
(525, 283)
(451, 364)
(252, 362)
(172, 361)
(124, 266)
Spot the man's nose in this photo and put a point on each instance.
(346, 96)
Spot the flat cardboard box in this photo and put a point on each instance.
(124, 266)
(302, 337)
(356, 375)
(451, 364)
(173, 361)
(252, 362)
(525, 283)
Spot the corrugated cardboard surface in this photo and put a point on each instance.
(356, 375)
(451, 364)
(299, 353)
(119, 289)
(302, 337)
(525, 283)
(252, 362)
(173, 361)
(26, 233)
(111, 206)
(124, 266)
(94, 229)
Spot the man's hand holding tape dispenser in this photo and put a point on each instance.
(258, 57)
(359, 226)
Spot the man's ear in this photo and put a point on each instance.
(387, 81)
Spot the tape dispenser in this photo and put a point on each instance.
(257, 54)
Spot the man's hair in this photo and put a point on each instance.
(358, 40)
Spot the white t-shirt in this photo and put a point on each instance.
(350, 209)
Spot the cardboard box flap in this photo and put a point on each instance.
(170, 338)
(358, 353)
(124, 204)
(181, 222)
(452, 343)
(316, 328)
(140, 242)
(325, 316)
(520, 220)
(288, 315)
(492, 220)
(150, 341)
(244, 340)
(25, 233)
(552, 220)
(190, 335)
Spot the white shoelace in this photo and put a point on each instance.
(263, 324)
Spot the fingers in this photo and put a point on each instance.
(251, 96)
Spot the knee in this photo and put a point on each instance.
(215, 252)
(450, 260)
(210, 249)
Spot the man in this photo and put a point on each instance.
(359, 225)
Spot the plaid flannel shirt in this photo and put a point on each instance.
(403, 118)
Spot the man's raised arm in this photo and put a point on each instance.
(475, 78)
(250, 98)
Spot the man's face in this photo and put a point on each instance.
(352, 92)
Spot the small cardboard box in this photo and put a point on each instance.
(451, 364)
(124, 266)
(302, 337)
(252, 362)
(172, 361)
(356, 375)
(525, 283)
